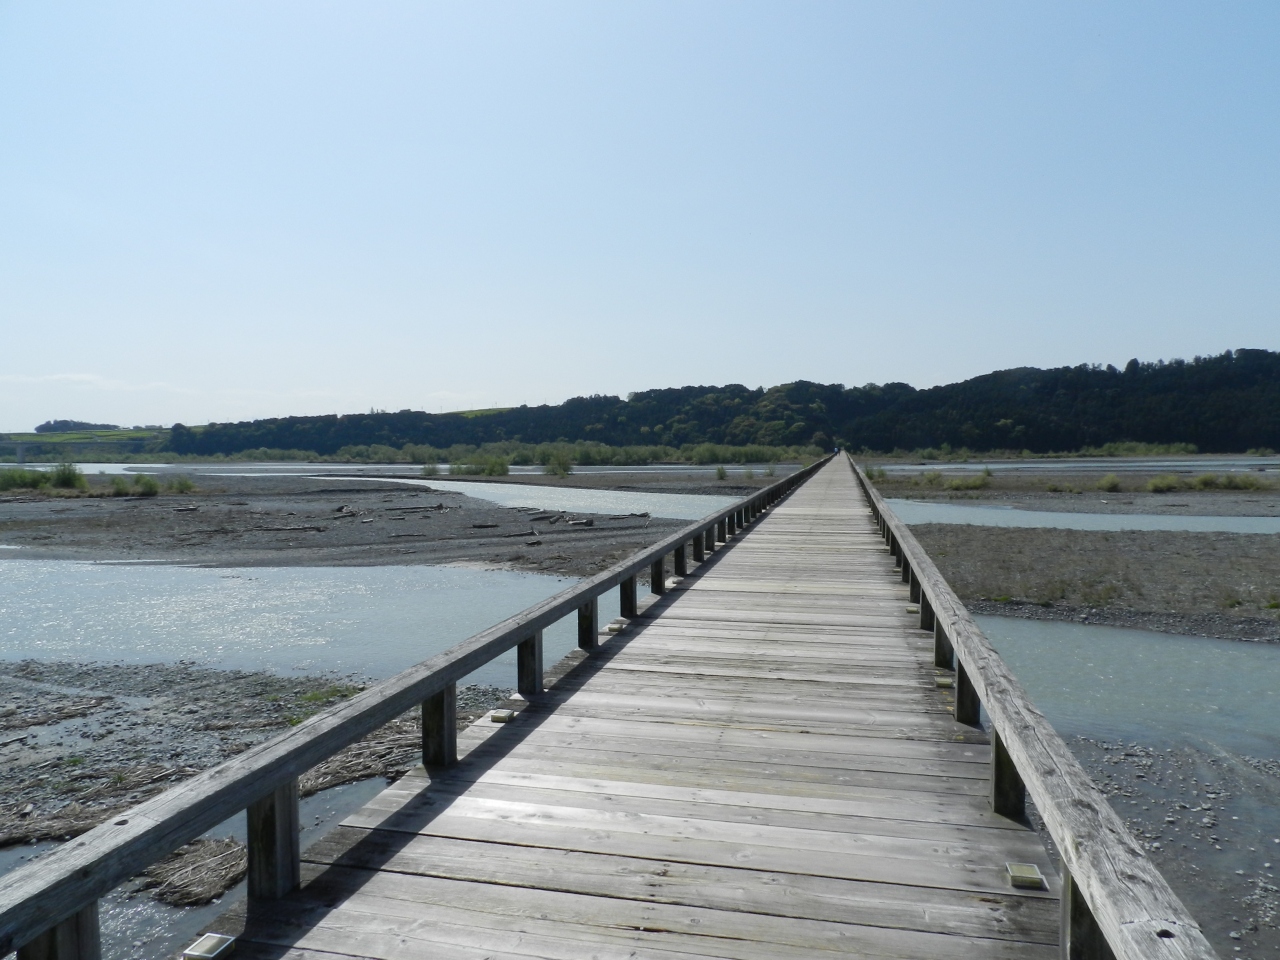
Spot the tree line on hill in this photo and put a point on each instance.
(1221, 404)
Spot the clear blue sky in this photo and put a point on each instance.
(231, 210)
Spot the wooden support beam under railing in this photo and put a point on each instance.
(275, 862)
(440, 728)
(658, 576)
(529, 666)
(589, 624)
(76, 938)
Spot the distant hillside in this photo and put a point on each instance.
(72, 426)
(1228, 403)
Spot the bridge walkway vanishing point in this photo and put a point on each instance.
(760, 766)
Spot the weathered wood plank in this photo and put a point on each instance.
(1009, 917)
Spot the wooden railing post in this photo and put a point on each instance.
(76, 938)
(943, 653)
(627, 598)
(1080, 937)
(440, 728)
(927, 619)
(658, 576)
(275, 863)
(968, 706)
(529, 666)
(722, 530)
(681, 565)
(913, 587)
(1008, 793)
(699, 548)
(709, 540)
(589, 625)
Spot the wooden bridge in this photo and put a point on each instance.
(779, 755)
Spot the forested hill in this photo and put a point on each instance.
(1227, 403)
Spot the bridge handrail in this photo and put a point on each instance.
(1111, 891)
(56, 896)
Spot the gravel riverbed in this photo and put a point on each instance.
(82, 742)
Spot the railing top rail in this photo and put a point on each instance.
(1137, 913)
(41, 894)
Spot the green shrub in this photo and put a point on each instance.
(770, 470)
(1132, 449)
(1110, 483)
(180, 484)
(119, 487)
(1261, 452)
(967, 483)
(932, 477)
(430, 469)
(558, 464)
(19, 479)
(482, 467)
(748, 474)
(1165, 483)
(145, 486)
(721, 473)
(1242, 481)
(67, 476)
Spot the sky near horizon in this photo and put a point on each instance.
(224, 211)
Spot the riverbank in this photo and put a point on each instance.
(1198, 584)
(1080, 489)
(285, 521)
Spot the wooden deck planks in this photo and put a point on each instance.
(760, 766)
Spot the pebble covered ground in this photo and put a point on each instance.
(80, 742)
(1200, 584)
(1210, 822)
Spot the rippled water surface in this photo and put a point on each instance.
(369, 621)
(1112, 682)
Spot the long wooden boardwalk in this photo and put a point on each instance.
(760, 766)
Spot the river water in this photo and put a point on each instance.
(1115, 683)
(369, 622)
(917, 511)
(676, 506)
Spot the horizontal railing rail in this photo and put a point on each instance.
(49, 908)
(1115, 903)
